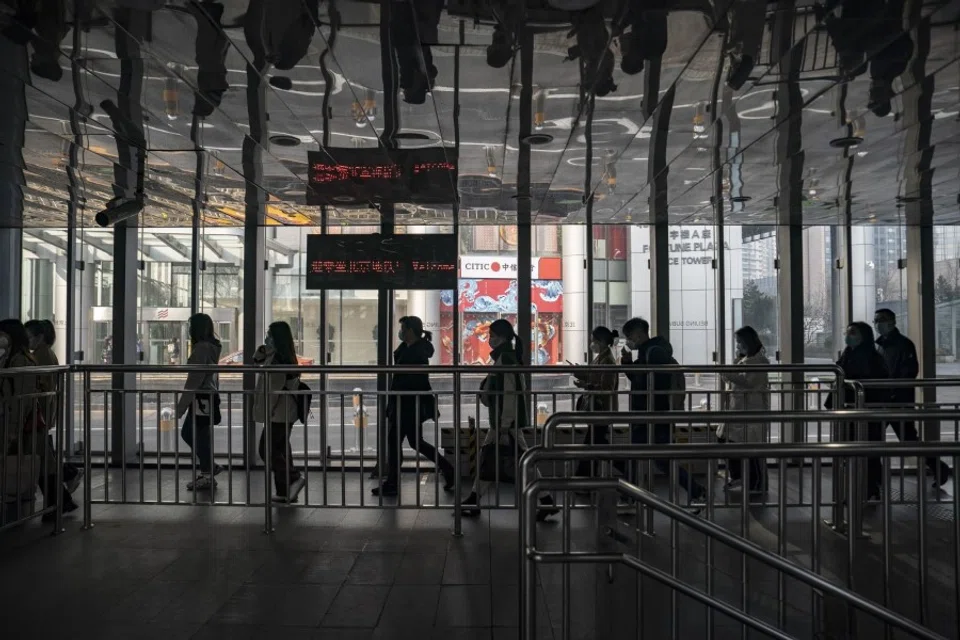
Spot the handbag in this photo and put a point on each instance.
(506, 453)
(586, 403)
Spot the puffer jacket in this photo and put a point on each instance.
(417, 354)
(750, 391)
(206, 353)
(603, 385)
(17, 395)
(505, 394)
(283, 406)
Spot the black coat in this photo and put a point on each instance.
(900, 354)
(655, 351)
(417, 354)
(864, 363)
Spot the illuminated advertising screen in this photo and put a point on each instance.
(377, 175)
(406, 261)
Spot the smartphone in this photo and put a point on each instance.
(570, 363)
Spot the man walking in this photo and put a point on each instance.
(900, 355)
(655, 351)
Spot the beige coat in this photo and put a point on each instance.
(749, 391)
(603, 386)
(283, 406)
(18, 392)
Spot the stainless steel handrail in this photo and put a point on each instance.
(451, 369)
(531, 494)
(679, 417)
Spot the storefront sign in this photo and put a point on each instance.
(505, 268)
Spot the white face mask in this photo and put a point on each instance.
(596, 347)
(400, 335)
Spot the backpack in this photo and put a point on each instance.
(678, 385)
(303, 400)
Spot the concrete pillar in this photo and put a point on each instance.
(639, 272)
(863, 273)
(576, 321)
(426, 304)
(59, 315)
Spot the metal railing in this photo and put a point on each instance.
(32, 435)
(812, 577)
(146, 436)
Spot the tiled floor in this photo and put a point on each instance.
(183, 571)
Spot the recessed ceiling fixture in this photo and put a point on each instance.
(537, 139)
(741, 199)
(281, 82)
(344, 199)
(284, 140)
(411, 135)
(845, 142)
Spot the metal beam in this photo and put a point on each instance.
(789, 202)
(524, 203)
(14, 70)
(127, 183)
(918, 204)
(657, 174)
(255, 208)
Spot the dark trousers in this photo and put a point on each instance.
(407, 427)
(599, 435)
(875, 433)
(70, 470)
(31, 443)
(661, 435)
(197, 434)
(907, 432)
(281, 456)
(755, 466)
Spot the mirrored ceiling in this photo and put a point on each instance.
(623, 111)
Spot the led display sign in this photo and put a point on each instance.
(378, 175)
(405, 261)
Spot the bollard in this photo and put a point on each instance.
(168, 428)
(360, 419)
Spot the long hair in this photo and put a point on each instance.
(201, 328)
(865, 330)
(285, 351)
(503, 329)
(415, 324)
(19, 342)
(750, 339)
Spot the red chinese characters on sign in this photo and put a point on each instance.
(331, 173)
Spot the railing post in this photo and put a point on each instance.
(87, 448)
(457, 498)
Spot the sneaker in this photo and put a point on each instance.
(295, 488)
(943, 479)
(733, 486)
(68, 507)
(546, 508)
(204, 482)
(697, 505)
(387, 490)
(471, 506)
(74, 483)
(449, 481)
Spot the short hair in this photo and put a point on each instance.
(886, 313)
(42, 328)
(415, 324)
(636, 324)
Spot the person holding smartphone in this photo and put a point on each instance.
(600, 390)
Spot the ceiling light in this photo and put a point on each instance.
(171, 97)
(539, 115)
(537, 139)
(845, 142)
(218, 168)
(699, 121)
(365, 111)
(490, 152)
(281, 82)
(285, 140)
(118, 210)
(610, 169)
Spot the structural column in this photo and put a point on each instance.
(917, 198)
(660, 230)
(575, 311)
(14, 71)
(790, 159)
(425, 304)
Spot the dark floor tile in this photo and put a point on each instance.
(375, 568)
(208, 565)
(410, 606)
(472, 567)
(356, 606)
(286, 605)
(328, 567)
(464, 606)
(198, 602)
(421, 568)
(216, 631)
